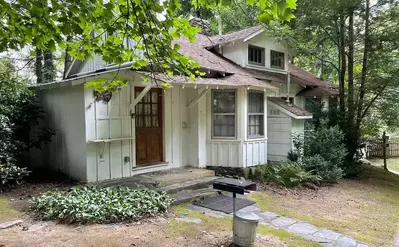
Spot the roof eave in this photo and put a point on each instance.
(288, 112)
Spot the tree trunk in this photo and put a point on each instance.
(342, 56)
(351, 48)
(67, 59)
(49, 67)
(39, 66)
(351, 133)
(362, 88)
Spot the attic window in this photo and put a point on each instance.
(256, 55)
(277, 59)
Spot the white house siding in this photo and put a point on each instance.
(113, 120)
(238, 52)
(235, 52)
(298, 126)
(279, 135)
(196, 129)
(106, 160)
(326, 101)
(65, 114)
(268, 44)
(254, 153)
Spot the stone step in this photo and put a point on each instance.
(194, 184)
(182, 176)
(192, 195)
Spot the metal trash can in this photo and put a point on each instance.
(244, 228)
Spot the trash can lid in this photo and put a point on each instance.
(248, 216)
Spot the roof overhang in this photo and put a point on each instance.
(253, 35)
(287, 112)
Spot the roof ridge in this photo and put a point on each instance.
(241, 30)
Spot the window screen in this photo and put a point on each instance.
(223, 113)
(255, 114)
(256, 55)
(277, 59)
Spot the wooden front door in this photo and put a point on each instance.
(149, 145)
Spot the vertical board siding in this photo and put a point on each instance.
(116, 159)
(223, 153)
(106, 160)
(65, 114)
(255, 153)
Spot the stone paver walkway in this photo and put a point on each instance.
(308, 231)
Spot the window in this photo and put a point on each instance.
(223, 113)
(255, 114)
(277, 59)
(256, 55)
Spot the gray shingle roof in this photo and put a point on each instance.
(232, 36)
(297, 111)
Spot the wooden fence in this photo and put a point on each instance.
(375, 147)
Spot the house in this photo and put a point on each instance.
(237, 115)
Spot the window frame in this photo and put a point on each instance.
(271, 60)
(256, 114)
(224, 114)
(262, 54)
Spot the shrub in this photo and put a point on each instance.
(328, 142)
(329, 173)
(321, 151)
(289, 174)
(99, 205)
(12, 173)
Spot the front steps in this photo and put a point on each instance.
(184, 185)
(188, 184)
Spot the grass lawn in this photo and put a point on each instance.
(392, 163)
(273, 237)
(6, 212)
(366, 209)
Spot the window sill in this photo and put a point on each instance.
(222, 140)
(253, 66)
(257, 139)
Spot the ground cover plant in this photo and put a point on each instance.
(99, 205)
(289, 174)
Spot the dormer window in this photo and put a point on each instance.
(256, 55)
(276, 59)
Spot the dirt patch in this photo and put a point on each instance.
(365, 209)
(144, 234)
(18, 196)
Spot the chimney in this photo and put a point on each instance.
(201, 23)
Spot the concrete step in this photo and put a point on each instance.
(182, 176)
(192, 195)
(193, 184)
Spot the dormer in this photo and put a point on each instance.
(251, 48)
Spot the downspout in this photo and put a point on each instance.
(288, 87)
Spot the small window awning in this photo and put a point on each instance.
(289, 109)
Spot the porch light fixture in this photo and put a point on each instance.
(195, 87)
(182, 87)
